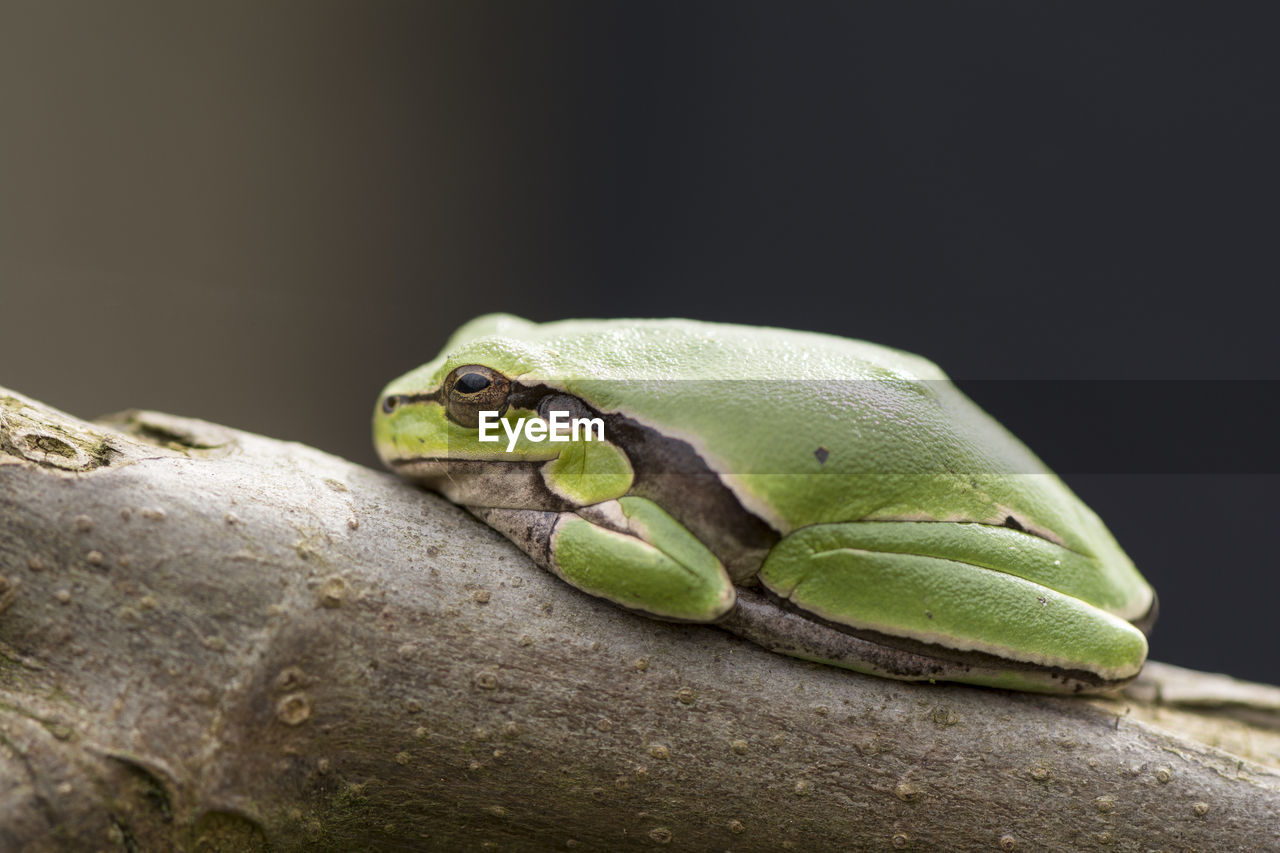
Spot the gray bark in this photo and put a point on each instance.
(213, 640)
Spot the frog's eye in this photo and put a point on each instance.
(472, 389)
(390, 403)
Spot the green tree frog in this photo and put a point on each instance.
(827, 498)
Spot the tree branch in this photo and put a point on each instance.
(214, 640)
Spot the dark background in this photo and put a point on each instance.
(259, 212)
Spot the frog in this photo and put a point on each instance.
(827, 498)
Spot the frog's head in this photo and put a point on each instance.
(426, 425)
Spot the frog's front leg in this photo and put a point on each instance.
(629, 551)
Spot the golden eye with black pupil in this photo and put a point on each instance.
(472, 389)
(472, 383)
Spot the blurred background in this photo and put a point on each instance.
(260, 212)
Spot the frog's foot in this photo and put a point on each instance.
(628, 551)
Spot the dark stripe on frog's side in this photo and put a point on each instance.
(671, 473)
(772, 621)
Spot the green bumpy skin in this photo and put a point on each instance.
(828, 498)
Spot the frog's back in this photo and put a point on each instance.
(637, 349)
(848, 425)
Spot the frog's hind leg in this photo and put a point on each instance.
(930, 608)
(628, 551)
